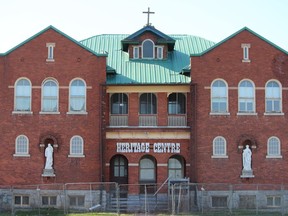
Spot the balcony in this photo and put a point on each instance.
(119, 120)
(148, 120)
(177, 121)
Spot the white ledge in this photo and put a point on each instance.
(219, 156)
(224, 114)
(247, 113)
(77, 113)
(22, 112)
(76, 156)
(273, 114)
(21, 155)
(274, 156)
(48, 113)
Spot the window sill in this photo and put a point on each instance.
(219, 156)
(22, 112)
(273, 114)
(213, 113)
(77, 113)
(48, 113)
(76, 156)
(246, 60)
(274, 156)
(247, 113)
(21, 155)
(50, 60)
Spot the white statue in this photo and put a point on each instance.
(49, 157)
(247, 158)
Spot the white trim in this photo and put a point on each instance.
(49, 113)
(162, 165)
(77, 113)
(21, 155)
(219, 156)
(274, 156)
(133, 164)
(22, 112)
(76, 156)
(107, 164)
(247, 113)
(274, 114)
(219, 114)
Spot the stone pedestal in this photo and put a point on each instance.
(247, 174)
(48, 173)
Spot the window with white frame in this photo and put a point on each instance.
(21, 200)
(176, 167)
(245, 48)
(76, 147)
(49, 200)
(136, 52)
(219, 148)
(246, 94)
(76, 201)
(50, 96)
(50, 47)
(159, 52)
(273, 201)
(273, 97)
(273, 148)
(22, 95)
(77, 96)
(21, 146)
(219, 97)
(147, 170)
(148, 49)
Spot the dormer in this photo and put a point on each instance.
(148, 43)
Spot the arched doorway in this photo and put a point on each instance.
(119, 169)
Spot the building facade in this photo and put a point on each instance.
(143, 108)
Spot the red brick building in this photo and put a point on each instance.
(143, 108)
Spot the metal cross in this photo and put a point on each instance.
(148, 18)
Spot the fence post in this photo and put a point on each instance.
(173, 199)
(117, 197)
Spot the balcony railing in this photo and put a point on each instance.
(148, 120)
(177, 120)
(118, 120)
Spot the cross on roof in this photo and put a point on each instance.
(148, 15)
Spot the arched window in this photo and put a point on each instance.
(50, 96)
(22, 146)
(219, 148)
(246, 96)
(273, 148)
(177, 103)
(147, 170)
(77, 96)
(176, 167)
(119, 103)
(148, 103)
(148, 49)
(22, 95)
(76, 146)
(219, 96)
(273, 97)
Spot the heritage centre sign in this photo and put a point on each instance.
(144, 147)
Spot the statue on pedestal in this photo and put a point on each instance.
(247, 171)
(49, 157)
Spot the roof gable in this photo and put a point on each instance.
(235, 34)
(59, 32)
(162, 38)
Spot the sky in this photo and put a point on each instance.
(214, 20)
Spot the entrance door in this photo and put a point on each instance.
(119, 169)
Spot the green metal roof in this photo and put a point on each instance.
(140, 71)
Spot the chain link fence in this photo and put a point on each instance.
(172, 197)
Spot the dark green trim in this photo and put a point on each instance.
(233, 35)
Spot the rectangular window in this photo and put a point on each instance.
(136, 52)
(273, 201)
(21, 200)
(76, 200)
(50, 47)
(219, 201)
(245, 48)
(49, 200)
(159, 52)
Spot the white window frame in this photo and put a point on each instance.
(213, 112)
(136, 51)
(84, 97)
(273, 201)
(246, 47)
(269, 154)
(18, 95)
(273, 112)
(245, 99)
(216, 145)
(20, 153)
(76, 154)
(56, 97)
(21, 200)
(50, 54)
(153, 50)
(159, 52)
